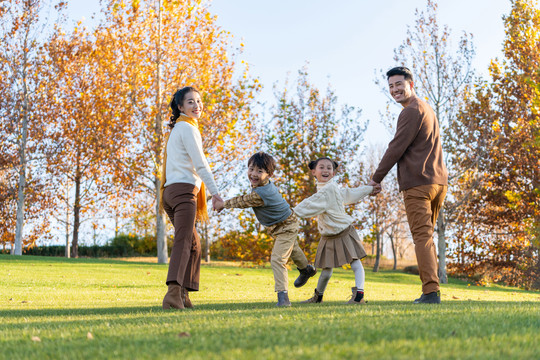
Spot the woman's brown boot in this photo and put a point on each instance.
(172, 298)
(185, 298)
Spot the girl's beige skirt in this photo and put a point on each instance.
(340, 249)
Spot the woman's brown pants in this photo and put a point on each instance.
(180, 204)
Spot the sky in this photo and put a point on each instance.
(342, 42)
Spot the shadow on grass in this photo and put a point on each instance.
(257, 306)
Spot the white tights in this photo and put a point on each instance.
(326, 274)
(359, 274)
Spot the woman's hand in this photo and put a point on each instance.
(217, 203)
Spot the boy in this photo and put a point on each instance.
(275, 214)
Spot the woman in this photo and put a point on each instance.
(185, 174)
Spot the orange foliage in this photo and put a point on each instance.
(497, 145)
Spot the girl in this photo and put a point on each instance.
(183, 195)
(339, 243)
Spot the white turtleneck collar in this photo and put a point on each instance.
(321, 184)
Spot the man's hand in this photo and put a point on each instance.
(376, 187)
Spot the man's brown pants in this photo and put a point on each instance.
(422, 204)
(180, 204)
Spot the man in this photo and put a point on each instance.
(422, 175)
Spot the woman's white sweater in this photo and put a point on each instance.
(328, 204)
(186, 162)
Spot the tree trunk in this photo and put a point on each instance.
(162, 253)
(76, 216)
(115, 224)
(378, 257)
(67, 251)
(17, 248)
(441, 235)
(207, 241)
(393, 251)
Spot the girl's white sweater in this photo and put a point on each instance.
(328, 204)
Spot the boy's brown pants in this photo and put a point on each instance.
(285, 235)
(422, 204)
(180, 204)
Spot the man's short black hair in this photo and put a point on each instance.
(263, 161)
(400, 70)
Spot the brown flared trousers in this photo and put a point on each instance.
(422, 204)
(180, 204)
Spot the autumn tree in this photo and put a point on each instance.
(307, 125)
(248, 241)
(85, 129)
(22, 27)
(383, 215)
(500, 120)
(442, 75)
(161, 46)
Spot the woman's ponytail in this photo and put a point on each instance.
(175, 111)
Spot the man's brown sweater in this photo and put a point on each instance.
(416, 148)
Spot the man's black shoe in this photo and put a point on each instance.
(304, 276)
(431, 298)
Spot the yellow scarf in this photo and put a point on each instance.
(202, 212)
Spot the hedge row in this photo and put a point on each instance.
(120, 246)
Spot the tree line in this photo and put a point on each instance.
(84, 114)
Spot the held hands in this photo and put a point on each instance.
(217, 203)
(376, 187)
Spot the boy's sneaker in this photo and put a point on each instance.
(355, 294)
(316, 298)
(283, 299)
(304, 276)
(431, 298)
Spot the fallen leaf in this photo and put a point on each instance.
(455, 297)
(148, 273)
(89, 336)
(184, 334)
(36, 339)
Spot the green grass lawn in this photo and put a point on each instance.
(55, 308)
